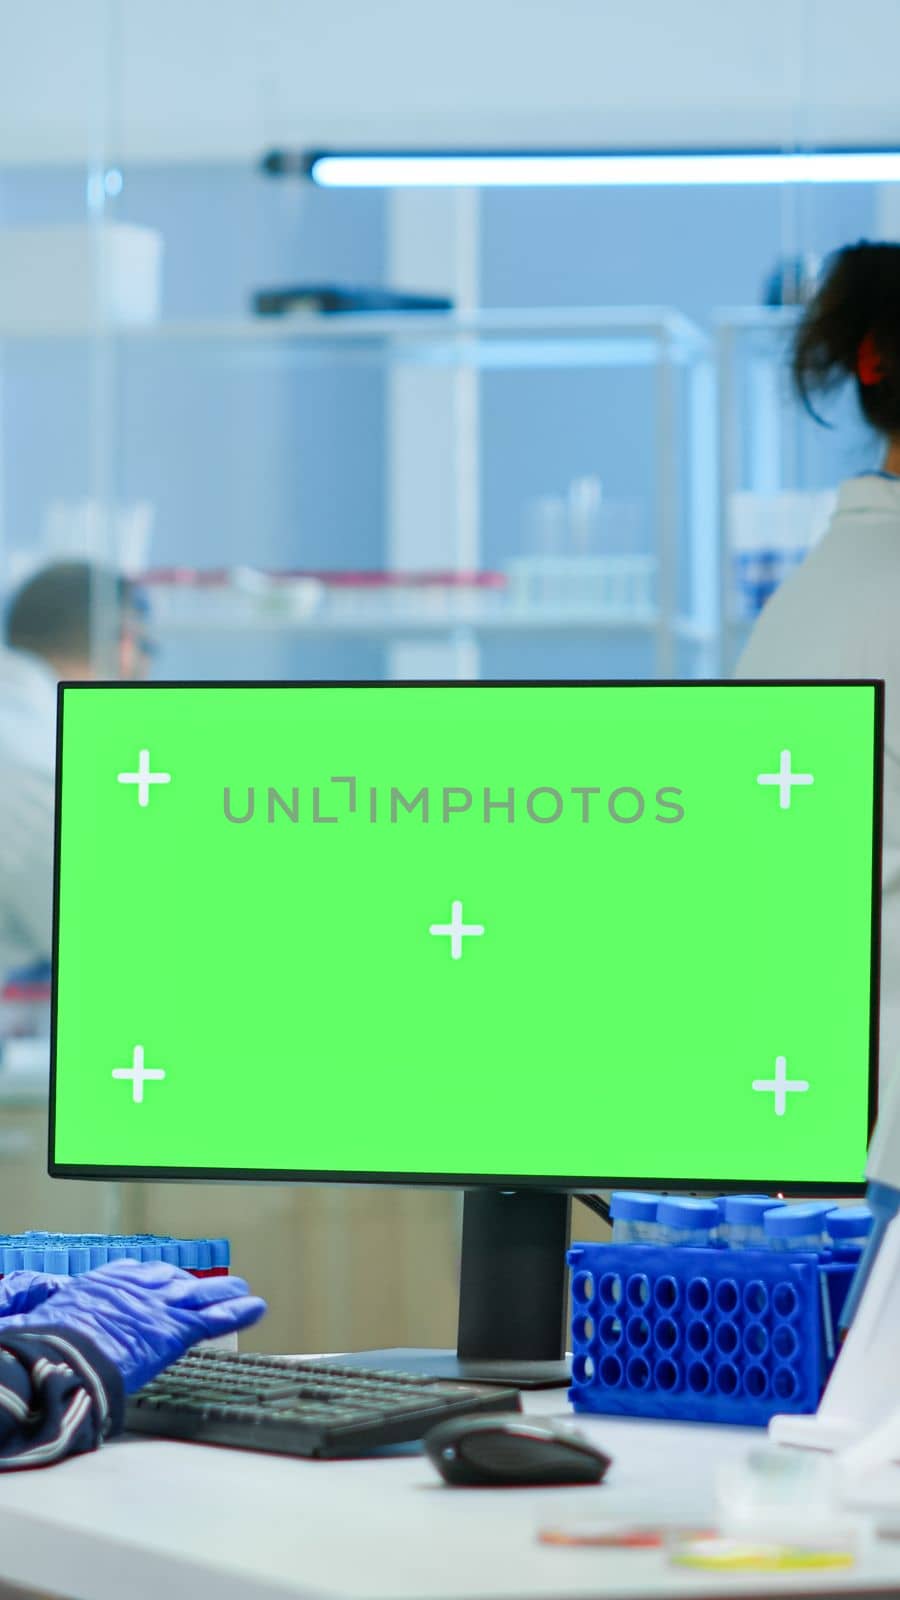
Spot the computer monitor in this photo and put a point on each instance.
(521, 938)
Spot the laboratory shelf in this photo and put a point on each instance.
(563, 623)
(434, 440)
(219, 609)
(617, 336)
(548, 622)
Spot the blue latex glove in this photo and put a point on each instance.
(22, 1291)
(143, 1315)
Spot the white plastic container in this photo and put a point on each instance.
(64, 278)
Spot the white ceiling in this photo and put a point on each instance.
(221, 79)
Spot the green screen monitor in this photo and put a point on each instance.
(515, 937)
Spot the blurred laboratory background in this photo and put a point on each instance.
(370, 432)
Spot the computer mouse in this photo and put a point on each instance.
(506, 1452)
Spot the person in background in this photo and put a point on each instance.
(71, 1349)
(838, 615)
(48, 632)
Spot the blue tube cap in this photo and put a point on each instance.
(628, 1205)
(783, 1222)
(749, 1208)
(849, 1222)
(688, 1213)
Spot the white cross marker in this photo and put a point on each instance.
(457, 929)
(785, 779)
(144, 777)
(781, 1085)
(139, 1074)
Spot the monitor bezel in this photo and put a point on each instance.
(449, 1180)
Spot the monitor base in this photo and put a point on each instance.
(447, 1364)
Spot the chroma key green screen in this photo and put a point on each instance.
(581, 933)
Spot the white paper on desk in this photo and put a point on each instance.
(865, 1384)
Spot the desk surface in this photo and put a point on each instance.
(148, 1518)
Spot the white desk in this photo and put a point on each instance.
(150, 1520)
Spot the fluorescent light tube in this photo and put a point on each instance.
(361, 170)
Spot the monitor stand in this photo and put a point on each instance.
(512, 1295)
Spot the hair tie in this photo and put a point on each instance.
(869, 365)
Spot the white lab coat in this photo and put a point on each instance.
(838, 616)
(27, 756)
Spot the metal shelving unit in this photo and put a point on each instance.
(587, 336)
(203, 618)
(657, 339)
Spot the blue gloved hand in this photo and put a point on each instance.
(22, 1291)
(143, 1315)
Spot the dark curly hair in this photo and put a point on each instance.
(858, 298)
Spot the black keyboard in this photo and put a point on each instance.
(258, 1402)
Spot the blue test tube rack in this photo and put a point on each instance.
(702, 1335)
(69, 1253)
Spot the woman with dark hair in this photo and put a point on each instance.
(838, 615)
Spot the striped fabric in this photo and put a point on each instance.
(58, 1397)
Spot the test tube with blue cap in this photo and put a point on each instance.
(848, 1228)
(65, 1254)
(799, 1227)
(220, 1250)
(742, 1220)
(686, 1221)
(634, 1217)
